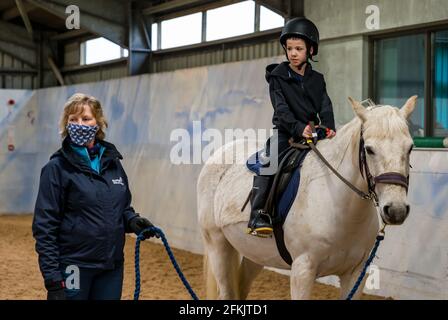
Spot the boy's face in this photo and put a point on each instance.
(296, 51)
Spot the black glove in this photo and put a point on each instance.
(138, 224)
(56, 295)
(56, 290)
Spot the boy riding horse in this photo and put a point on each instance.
(299, 96)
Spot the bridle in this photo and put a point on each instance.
(394, 178)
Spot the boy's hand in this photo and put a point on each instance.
(307, 132)
(330, 134)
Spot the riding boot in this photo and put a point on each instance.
(260, 222)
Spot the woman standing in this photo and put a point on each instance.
(83, 209)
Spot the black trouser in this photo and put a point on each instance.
(282, 140)
(94, 284)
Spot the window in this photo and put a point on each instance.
(440, 121)
(400, 74)
(182, 31)
(402, 69)
(154, 37)
(269, 19)
(223, 22)
(230, 21)
(99, 50)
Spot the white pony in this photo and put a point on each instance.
(329, 230)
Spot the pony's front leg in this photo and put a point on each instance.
(303, 275)
(348, 281)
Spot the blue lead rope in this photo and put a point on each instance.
(379, 238)
(160, 233)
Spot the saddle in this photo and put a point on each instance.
(291, 161)
(288, 168)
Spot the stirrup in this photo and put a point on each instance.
(264, 232)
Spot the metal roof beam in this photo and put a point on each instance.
(56, 71)
(24, 15)
(15, 41)
(14, 11)
(10, 71)
(106, 18)
(18, 52)
(69, 35)
(200, 7)
(171, 5)
(286, 8)
(15, 34)
(139, 41)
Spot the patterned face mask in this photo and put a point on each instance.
(81, 134)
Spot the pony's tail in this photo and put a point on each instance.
(211, 287)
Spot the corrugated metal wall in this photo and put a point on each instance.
(15, 80)
(179, 60)
(96, 73)
(72, 55)
(168, 61)
(73, 73)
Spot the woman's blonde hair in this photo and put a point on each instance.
(75, 105)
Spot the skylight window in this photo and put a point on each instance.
(230, 21)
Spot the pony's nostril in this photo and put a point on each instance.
(396, 213)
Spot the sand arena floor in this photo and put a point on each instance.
(20, 277)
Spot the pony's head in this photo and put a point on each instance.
(388, 145)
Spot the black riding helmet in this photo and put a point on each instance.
(301, 28)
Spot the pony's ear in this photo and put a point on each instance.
(359, 110)
(408, 107)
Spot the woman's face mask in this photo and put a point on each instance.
(82, 127)
(81, 134)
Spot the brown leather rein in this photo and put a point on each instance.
(394, 178)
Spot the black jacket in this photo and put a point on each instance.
(81, 216)
(295, 102)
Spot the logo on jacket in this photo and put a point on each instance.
(118, 181)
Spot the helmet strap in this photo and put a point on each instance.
(308, 55)
(301, 65)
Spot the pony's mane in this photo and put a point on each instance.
(383, 121)
(333, 150)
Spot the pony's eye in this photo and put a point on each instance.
(370, 151)
(410, 149)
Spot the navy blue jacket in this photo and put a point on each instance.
(295, 102)
(81, 216)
